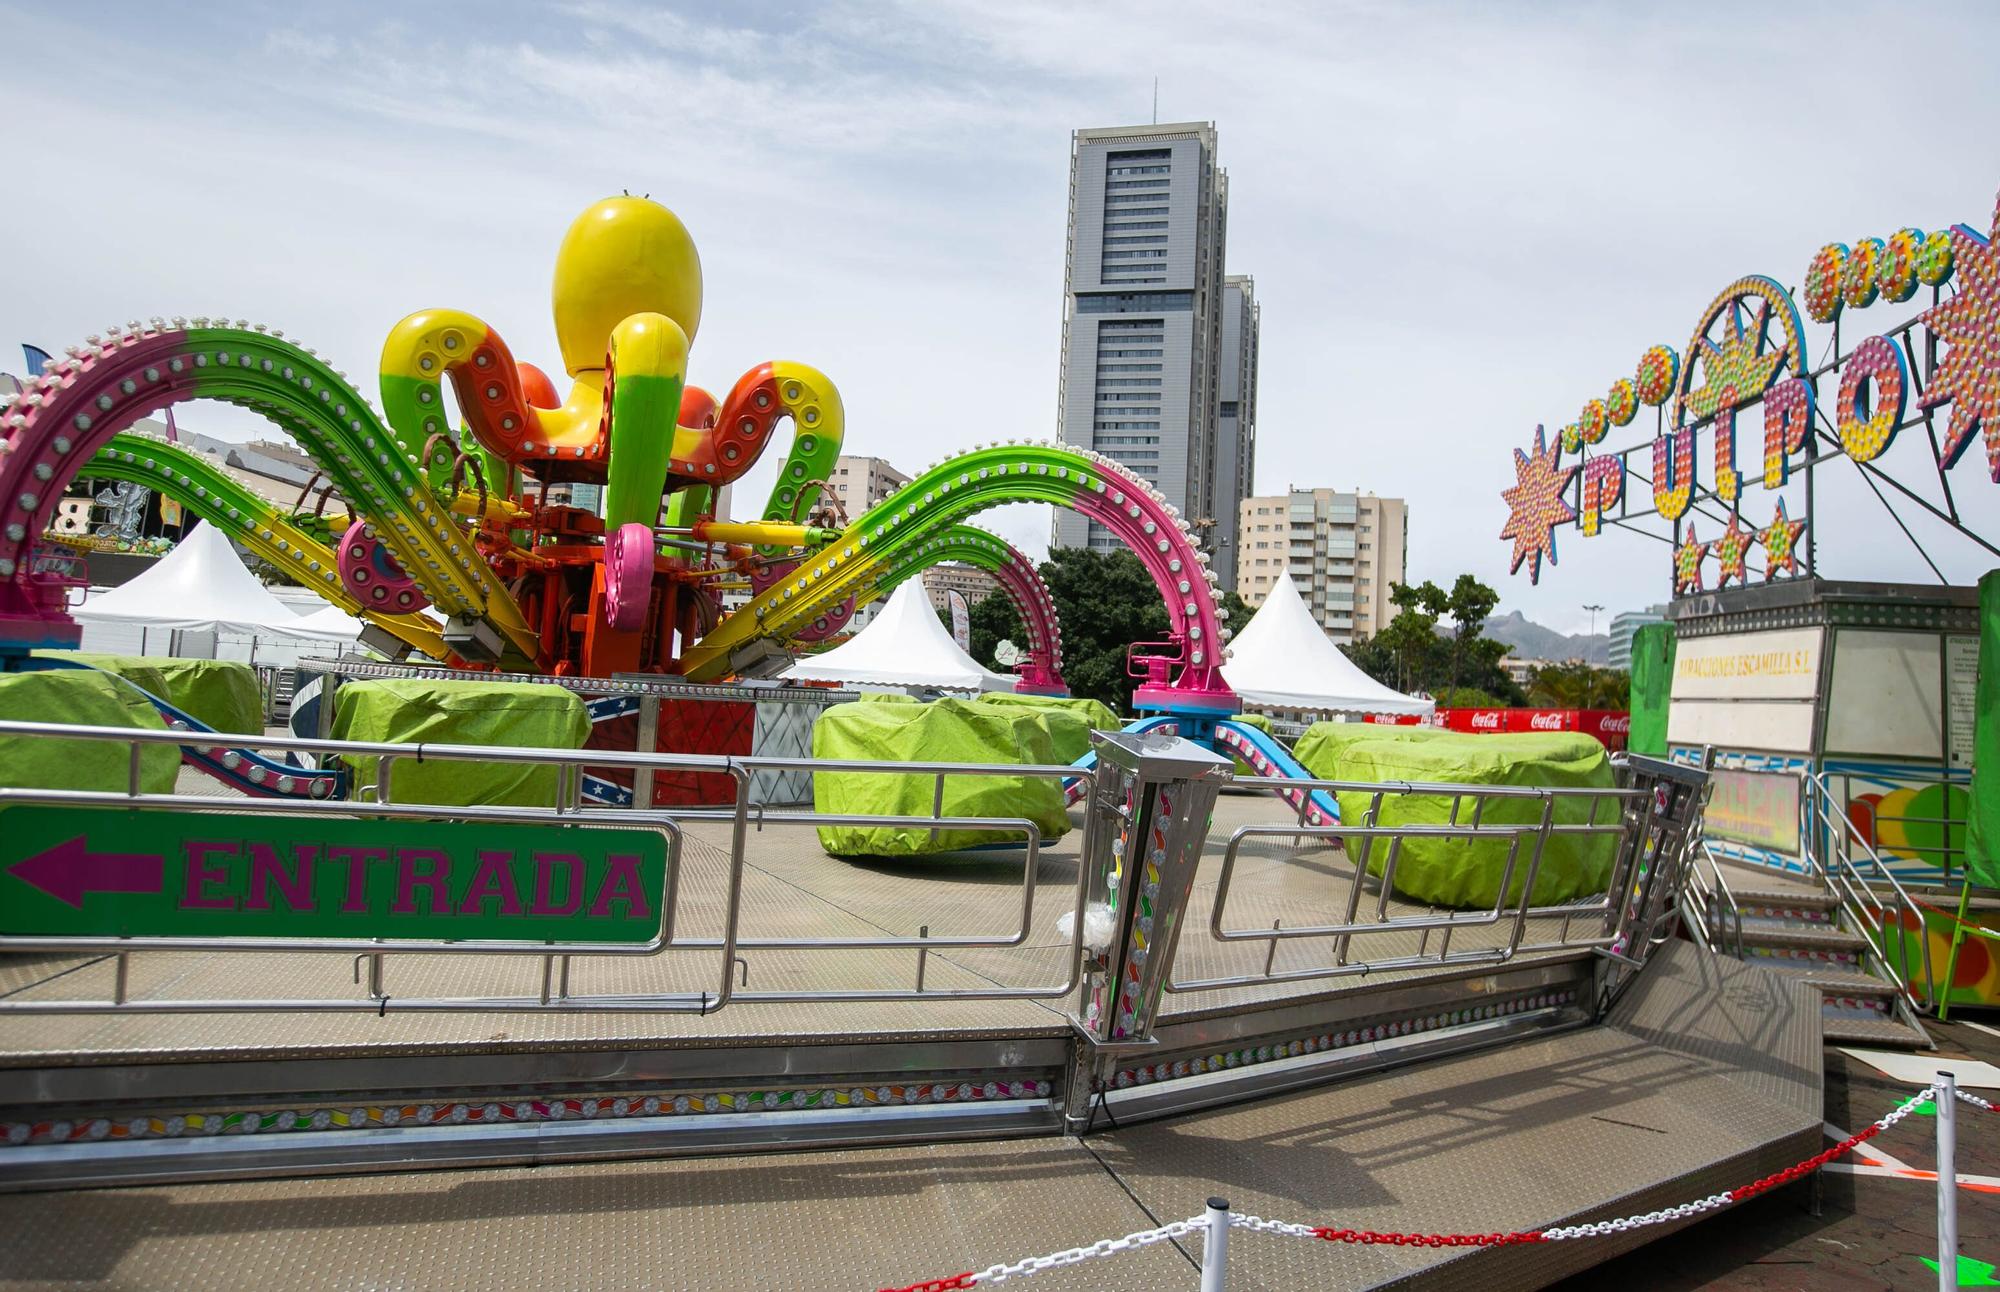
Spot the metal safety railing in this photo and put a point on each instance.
(376, 800)
(1376, 851)
(1717, 921)
(1929, 843)
(1144, 833)
(1871, 898)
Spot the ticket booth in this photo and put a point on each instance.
(1822, 701)
(1867, 687)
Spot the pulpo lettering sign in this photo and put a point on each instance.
(124, 873)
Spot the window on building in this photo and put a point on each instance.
(1132, 302)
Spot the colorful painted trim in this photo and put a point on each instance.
(1169, 1070)
(79, 1130)
(1755, 910)
(1842, 959)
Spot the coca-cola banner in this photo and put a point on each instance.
(1609, 726)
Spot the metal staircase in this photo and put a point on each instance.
(1829, 927)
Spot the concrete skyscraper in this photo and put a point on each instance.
(1236, 426)
(1143, 322)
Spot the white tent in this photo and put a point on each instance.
(905, 645)
(1282, 659)
(331, 620)
(202, 586)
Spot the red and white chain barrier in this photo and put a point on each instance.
(1074, 1256)
(1561, 1233)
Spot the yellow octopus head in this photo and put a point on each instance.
(623, 256)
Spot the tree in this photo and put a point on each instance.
(1465, 697)
(1411, 636)
(1470, 603)
(1409, 654)
(1580, 686)
(1105, 602)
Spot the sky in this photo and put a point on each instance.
(1463, 220)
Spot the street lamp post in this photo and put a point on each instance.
(1593, 618)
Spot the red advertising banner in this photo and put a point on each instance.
(1611, 727)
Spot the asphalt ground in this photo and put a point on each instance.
(1870, 1231)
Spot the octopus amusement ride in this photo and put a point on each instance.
(453, 547)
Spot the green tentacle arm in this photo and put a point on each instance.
(820, 425)
(961, 487)
(645, 371)
(1019, 581)
(251, 520)
(104, 388)
(654, 429)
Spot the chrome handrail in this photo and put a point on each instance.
(1601, 913)
(1849, 875)
(1734, 908)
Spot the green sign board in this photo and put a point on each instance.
(110, 872)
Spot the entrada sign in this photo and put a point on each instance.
(1750, 359)
(124, 873)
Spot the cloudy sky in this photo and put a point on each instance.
(1463, 219)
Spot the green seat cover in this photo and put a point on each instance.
(1462, 872)
(1071, 718)
(82, 698)
(945, 731)
(220, 692)
(410, 710)
(140, 670)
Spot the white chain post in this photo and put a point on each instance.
(1945, 1100)
(1215, 1247)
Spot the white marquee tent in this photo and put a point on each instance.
(904, 646)
(1282, 659)
(331, 620)
(202, 587)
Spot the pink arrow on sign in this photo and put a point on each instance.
(69, 870)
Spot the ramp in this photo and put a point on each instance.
(1706, 1075)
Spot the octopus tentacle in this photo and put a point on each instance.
(645, 370)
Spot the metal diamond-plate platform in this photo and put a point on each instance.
(1706, 1076)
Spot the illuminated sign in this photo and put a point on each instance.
(1749, 358)
(1757, 808)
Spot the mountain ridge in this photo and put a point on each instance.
(1531, 640)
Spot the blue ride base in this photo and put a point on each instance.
(1203, 724)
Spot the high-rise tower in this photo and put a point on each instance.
(1142, 318)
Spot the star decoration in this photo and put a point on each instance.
(1781, 543)
(1687, 563)
(1968, 377)
(1737, 369)
(1536, 505)
(1730, 550)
